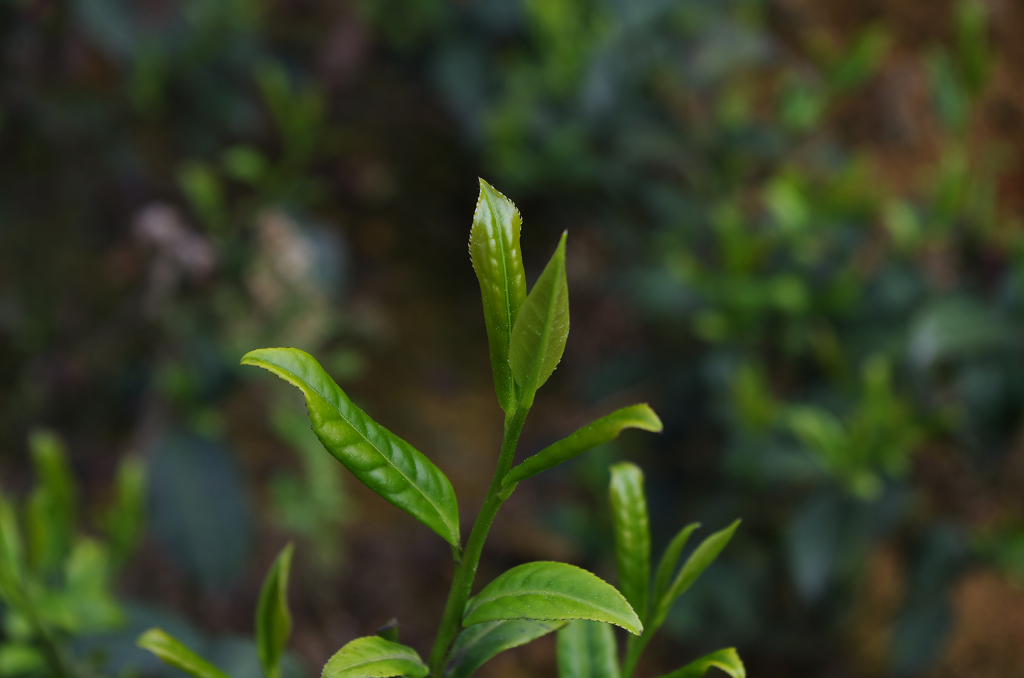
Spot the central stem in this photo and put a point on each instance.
(465, 569)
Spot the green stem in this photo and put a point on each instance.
(465, 570)
(634, 648)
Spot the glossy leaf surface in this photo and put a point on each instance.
(498, 262)
(596, 433)
(695, 565)
(173, 653)
(542, 326)
(273, 619)
(375, 657)
(669, 560)
(587, 649)
(384, 462)
(632, 534)
(479, 642)
(551, 591)
(727, 660)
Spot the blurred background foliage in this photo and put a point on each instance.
(794, 229)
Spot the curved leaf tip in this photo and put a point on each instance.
(382, 461)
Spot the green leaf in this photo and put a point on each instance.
(632, 534)
(51, 508)
(125, 517)
(587, 649)
(478, 643)
(542, 326)
(498, 262)
(695, 565)
(726, 660)
(374, 657)
(669, 559)
(384, 462)
(273, 619)
(173, 653)
(593, 434)
(551, 591)
(389, 630)
(11, 558)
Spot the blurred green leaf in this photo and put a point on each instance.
(542, 326)
(173, 653)
(478, 643)
(587, 649)
(51, 511)
(498, 262)
(384, 462)
(596, 433)
(17, 659)
(374, 657)
(273, 618)
(551, 591)
(125, 518)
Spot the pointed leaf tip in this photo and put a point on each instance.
(498, 263)
(596, 433)
(540, 332)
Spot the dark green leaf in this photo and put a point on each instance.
(586, 649)
(542, 326)
(384, 462)
(273, 619)
(669, 559)
(374, 657)
(551, 591)
(479, 642)
(695, 565)
(593, 434)
(389, 630)
(632, 534)
(498, 262)
(173, 653)
(124, 519)
(726, 660)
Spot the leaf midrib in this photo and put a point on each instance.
(368, 441)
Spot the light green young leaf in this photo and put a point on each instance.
(171, 652)
(669, 559)
(551, 591)
(479, 642)
(384, 462)
(632, 534)
(273, 619)
(542, 326)
(124, 519)
(498, 262)
(374, 657)
(727, 660)
(51, 508)
(587, 649)
(593, 434)
(695, 565)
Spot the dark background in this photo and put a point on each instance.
(794, 228)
